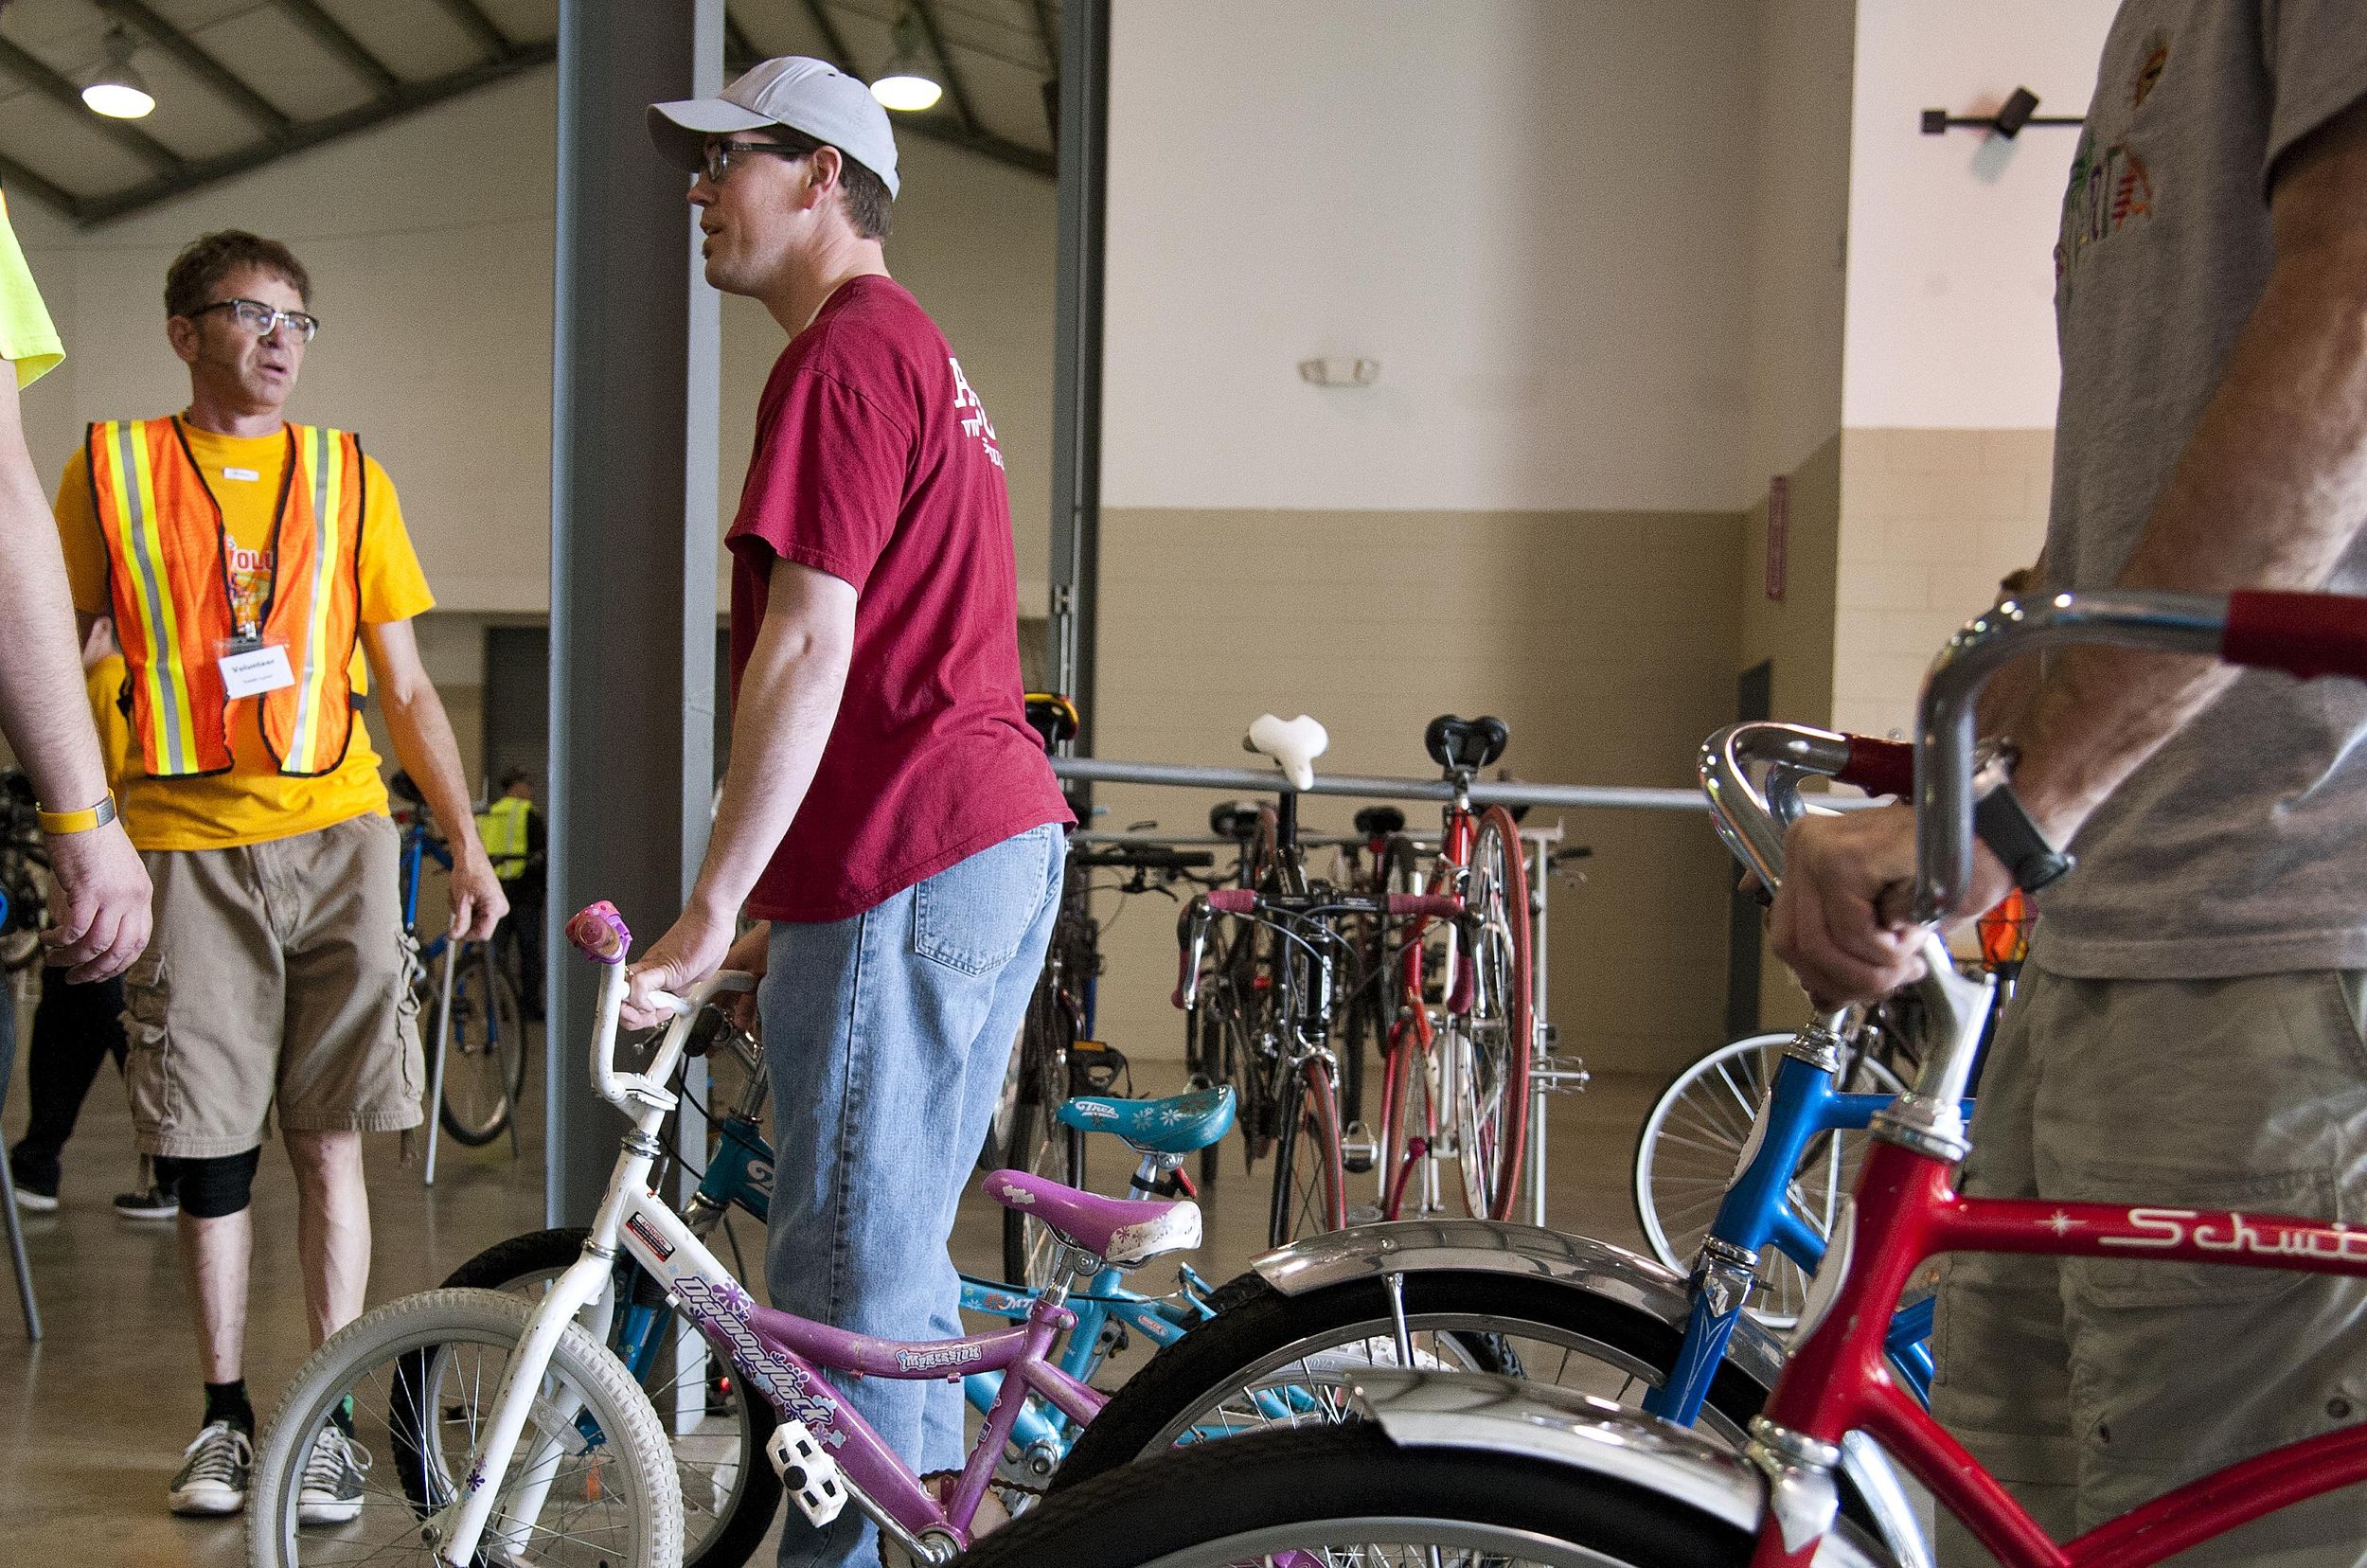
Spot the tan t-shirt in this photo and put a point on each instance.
(254, 801)
(2238, 848)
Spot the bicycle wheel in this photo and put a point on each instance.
(1039, 1145)
(1497, 1036)
(1691, 1148)
(1348, 1496)
(716, 1429)
(23, 880)
(1308, 1197)
(422, 1374)
(485, 1056)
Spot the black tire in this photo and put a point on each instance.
(1259, 1330)
(1040, 1144)
(485, 1053)
(728, 1498)
(1247, 1499)
(1309, 1183)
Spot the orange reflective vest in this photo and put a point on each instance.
(168, 579)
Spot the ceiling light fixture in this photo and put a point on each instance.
(908, 84)
(118, 90)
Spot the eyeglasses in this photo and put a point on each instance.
(263, 319)
(719, 156)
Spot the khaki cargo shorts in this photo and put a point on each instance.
(2090, 1385)
(278, 972)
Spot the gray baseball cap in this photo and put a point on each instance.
(805, 95)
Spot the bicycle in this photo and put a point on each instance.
(1449, 1464)
(1578, 1314)
(23, 875)
(1456, 1086)
(1060, 1054)
(477, 1039)
(719, 1430)
(568, 1461)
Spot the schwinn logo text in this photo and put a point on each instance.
(2164, 1228)
(951, 1355)
(719, 1313)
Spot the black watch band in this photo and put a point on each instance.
(2002, 824)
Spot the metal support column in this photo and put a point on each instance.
(1083, 137)
(634, 383)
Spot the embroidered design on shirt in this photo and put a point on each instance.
(2156, 57)
(974, 423)
(2107, 190)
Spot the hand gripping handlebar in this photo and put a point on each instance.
(1751, 820)
(598, 932)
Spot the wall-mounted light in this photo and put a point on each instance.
(115, 89)
(2020, 108)
(908, 84)
(1340, 373)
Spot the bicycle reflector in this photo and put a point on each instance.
(2005, 931)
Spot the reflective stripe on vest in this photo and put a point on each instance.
(169, 585)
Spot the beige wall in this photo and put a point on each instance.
(1606, 640)
(1929, 520)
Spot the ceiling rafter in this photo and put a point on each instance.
(37, 72)
(331, 34)
(480, 26)
(414, 95)
(955, 88)
(1047, 33)
(15, 176)
(195, 58)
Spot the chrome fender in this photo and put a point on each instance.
(1505, 1414)
(1490, 1246)
(1614, 1274)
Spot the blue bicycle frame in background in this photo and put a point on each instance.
(1801, 1105)
(418, 847)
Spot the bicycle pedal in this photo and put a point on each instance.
(810, 1475)
(1562, 1075)
(1358, 1149)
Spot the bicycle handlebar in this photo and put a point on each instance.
(2303, 634)
(598, 932)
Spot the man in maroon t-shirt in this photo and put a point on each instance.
(887, 811)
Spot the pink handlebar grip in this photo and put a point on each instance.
(1880, 767)
(1233, 901)
(2304, 635)
(599, 934)
(1445, 906)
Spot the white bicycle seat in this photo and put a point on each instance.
(1293, 743)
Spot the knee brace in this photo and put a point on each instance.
(215, 1186)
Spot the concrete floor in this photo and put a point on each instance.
(92, 1420)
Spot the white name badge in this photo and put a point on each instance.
(248, 475)
(257, 670)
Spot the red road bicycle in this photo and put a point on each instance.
(1455, 1081)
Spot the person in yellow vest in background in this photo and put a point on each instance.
(77, 1026)
(251, 564)
(515, 842)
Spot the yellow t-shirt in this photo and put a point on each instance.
(103, 686)
(27, 337)
(254, 801)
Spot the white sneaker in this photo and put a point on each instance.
(332, 1493)
(214, 1471)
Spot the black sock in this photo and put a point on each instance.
(227, 1403)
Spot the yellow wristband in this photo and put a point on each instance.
(57, 823)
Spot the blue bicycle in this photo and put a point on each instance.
(472, 1027)
(729, 1490)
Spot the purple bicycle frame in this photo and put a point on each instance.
(783, 1355)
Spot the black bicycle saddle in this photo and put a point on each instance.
(1375, 822)
(1454, 743)
(1234, 819)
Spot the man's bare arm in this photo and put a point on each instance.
(2270, 492)
(787, 701)
(420, 732)
(100, 915)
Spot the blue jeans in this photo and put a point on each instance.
(888, 1036)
